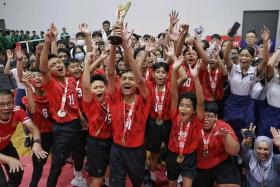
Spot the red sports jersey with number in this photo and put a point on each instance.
(165, 105)
(79, 92)
(8, 128)
(99, 117)
(216, 148)
(135, 136)
(188, 84)
(216, 93)
(191, 136)
(54, 92)
(41, 118)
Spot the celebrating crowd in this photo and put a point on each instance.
(208, 110)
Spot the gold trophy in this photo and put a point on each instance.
(121, 12)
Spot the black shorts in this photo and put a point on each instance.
(187, 168)
(98, 155)
(225, 173)
(127, 161)
(157, 134)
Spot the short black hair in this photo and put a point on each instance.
(206, 44)
(211, 107)
(50, 56)
(251, 50)
(138, 50)
(252, 31)
(96, 33)
(75, 49)
(64, 50)
(98, 77)
(158, 65)
(6, 92)
(78, 34)
(161, 34)
(106, 22)
(69, 61)
(136, 36)
(217, 36)
(190, 96)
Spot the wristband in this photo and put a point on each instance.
(38, 141)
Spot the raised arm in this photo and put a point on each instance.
(198, 90)
(84, 29)
(128, 56)
(111, 70)
(227, 59)
(87, 95)
(221, 66)
(44, 57)
(174, 85)
(265, 33)
(19, 56)
(39, 49)
(271, 64)
(181, 40)
(201, 54)
(31, 104)
(54, 33)
(10, 56)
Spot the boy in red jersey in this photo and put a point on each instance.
(64, 109)
(10, 116)
(130, 108)
(96, 105)
(187, 114)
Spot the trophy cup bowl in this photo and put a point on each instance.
(121, 12)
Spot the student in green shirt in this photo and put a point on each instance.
(65, 37)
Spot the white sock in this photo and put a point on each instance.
(107, 180)
(78, 175)
(153, 175)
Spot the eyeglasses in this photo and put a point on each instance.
(8, 105)
(209, 116)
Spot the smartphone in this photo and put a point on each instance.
(248, 134)
(234, 29)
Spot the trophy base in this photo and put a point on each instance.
(115, 40)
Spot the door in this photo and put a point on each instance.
(256, 19)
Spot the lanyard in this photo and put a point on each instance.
(182, 136)
(206, 141)
(107, 118)
(213, 83)
(63, 99)
(159, 101)
(128, 119)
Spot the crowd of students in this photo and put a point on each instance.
(194, 104)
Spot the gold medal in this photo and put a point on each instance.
(61, 113)
(159, 122)
(205, 153)
(180, 159)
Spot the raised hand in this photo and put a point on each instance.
(19, 54)
(53, 30)
(265, 33)
(39, 48)
(190, 40)
(276, 136)
(198, 31)
(173, 17)
(150, 45)
(84, 28)
(10, 54)
(195, 70)
(178, 62)
(170, 51)
(89, 58)
(49, 37)
(175, 33)
(15, 165)
(248, 135)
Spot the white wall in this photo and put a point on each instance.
(145, 16)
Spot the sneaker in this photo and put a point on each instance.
(79, 182)
(27, 142)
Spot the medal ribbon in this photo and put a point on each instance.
(63, 99)
(182, 137)
(159, 102)
(128, 119)
(206, 141)
(107, 118)
(213, 83)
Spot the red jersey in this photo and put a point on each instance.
(212, 83)
(8, 128)
(133, 136)
(99, 117)
(41, 117)
(161, 101)
(188, 85)
(79, 92)
(190, 134)
(54, 91)
(149, 74)
(216, 148)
